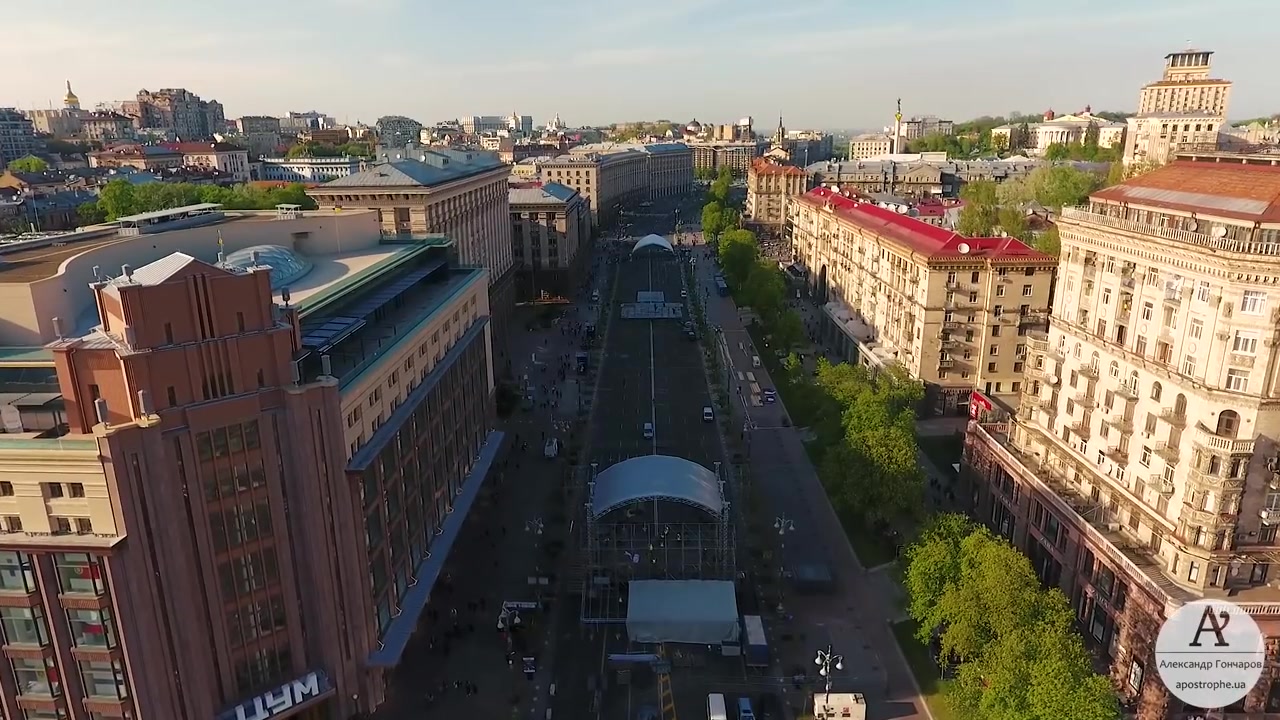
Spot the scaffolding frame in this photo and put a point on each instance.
(616, 552)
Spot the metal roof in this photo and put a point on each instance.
(157, 214)
(656, 477)
(322, 333)
(416, 173)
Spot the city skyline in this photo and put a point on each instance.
(284, 62)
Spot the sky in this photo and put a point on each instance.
(821, 63)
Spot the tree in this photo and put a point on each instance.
(91, 213)
(763, 289)
(117, 199)
(738, 254)
(704, 174)
(1090, 141)
(1024, 135)
(1012, 643)
(1013, 222)
(980, 214)
(28, 164)
(712, 219)
(1062, 185)
(719, 191)
(314, 149)
(1048, 241)
(120, 198)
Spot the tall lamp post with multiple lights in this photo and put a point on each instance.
(783, 525)
(827, 660)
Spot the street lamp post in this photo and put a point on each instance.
(783, 525)
(826, 660)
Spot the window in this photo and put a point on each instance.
(79, 573)
(1189, 364)
(92, 628)
(1148, 310)
(999, 291)
(1155, 391)
(36, 677)
(24, 626)
(1026, 291)
(15, 572)
(994, 350)
(1145, 458)
(240, 322)
(53, 490)
(1135, 676)
(995, 331)
(1245, 342)
(1253, 302)
(104, 680)
(1202, 291)
(75, 490)
(1197, 329)
(1114, 369)
(1140, 345)
(1238, 380)
(1193, 572)
(6, 489)
(1171, 318)
(1106, 296)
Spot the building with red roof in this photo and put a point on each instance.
(1139, 473)
(954, 311)
(769, 184)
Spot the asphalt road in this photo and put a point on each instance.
(650, 372)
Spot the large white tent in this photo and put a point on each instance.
(653, 241)
(702, 612)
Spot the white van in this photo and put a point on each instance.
(595, 296)
(715, 707)
(755, 361)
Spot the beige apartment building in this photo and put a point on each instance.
(461, 194)
(223, 157)
(1184, 110)
(735, 155)
(769, 184)
(668, 165)
(955, 312)
(605, 180)
(550, 237)
(870, 145)
(1140, 472)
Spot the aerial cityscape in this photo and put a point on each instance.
(916, 408)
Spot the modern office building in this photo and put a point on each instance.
(954, 311)
(769, 184)
(247, 437)
(550, 239)
(1140, 471)
(459, 193)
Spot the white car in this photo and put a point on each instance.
(708, 414)
(648, 431)
(551, 449)
(684, 293)
(770, 396)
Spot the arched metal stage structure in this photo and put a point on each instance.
(653, 241)
(653, 517)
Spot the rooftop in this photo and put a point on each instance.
(360, 328)
(544, 194)
(920, 237)
(1229, 190)
(1203, 81)
(197, 148)
(764, 167)
(440, 167)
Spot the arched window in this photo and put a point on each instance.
(1180, 405)
(1093, 360)
(1076, 352)
(1114, 369)
(1155, 391)
(1228, 423)
(1133, 380)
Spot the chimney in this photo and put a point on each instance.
(57, 328)
(326, 366)
(144, 403)
(100, 410)
(127, 272)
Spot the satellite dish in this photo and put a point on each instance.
(963, 248)
(1051, 380)
(1219, 231)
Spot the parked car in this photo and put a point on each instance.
(770, 396)
(648, 431)
(551, 449)
(708, 414)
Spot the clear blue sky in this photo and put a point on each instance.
(824, 63)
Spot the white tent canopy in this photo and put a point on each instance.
(653, 241)
(701, 612)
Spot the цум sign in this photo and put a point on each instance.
(274, 702)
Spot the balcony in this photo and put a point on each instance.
(1126, 392)
(1038, 343)
(1102, 532)
(950, 325)
(1168, 453)
(1088, 371)
(1084, 216)
(1031, 400)
(1159, 483)
(1209, 481)
(956, 285)
(944, 364)
(1084, 400)
(1057, 354)
(1081, 429)
(1127, 281)
(1240, 361)
(1194, 516)
(1173, 417)
(1269, 517)
(1033, 318)
(1117, 455)
(1231, 446)
(1122, 423)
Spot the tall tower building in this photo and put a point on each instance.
(1186, 87)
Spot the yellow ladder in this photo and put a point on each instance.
(666, 700)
